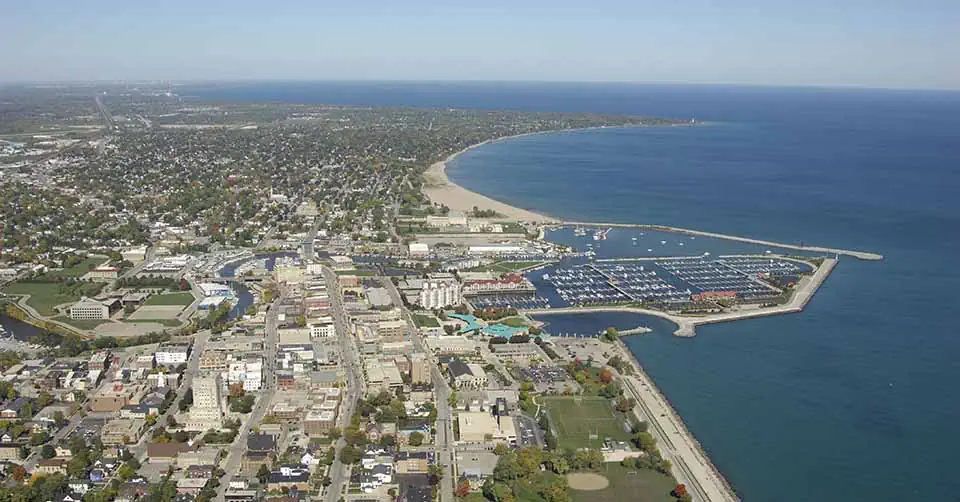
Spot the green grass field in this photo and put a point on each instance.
(576, 421)
(425, 321)
(182, 298)
(627, 485)
(77, 270)
(46, 295)
(513, 322)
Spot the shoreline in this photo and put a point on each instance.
(704, 480)
(441, 190)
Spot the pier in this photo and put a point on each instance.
(862, 255)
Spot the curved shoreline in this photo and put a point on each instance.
(441, 190)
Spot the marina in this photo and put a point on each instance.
(676, 280)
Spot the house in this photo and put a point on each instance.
(191, 485)
(79, 487)
(476, 466)
(131, 491)
(289, 477)
(9, 452)
(13, 409)
(165, 452)
(374, 432)
(252, 461)
(200, 471)
(52, 466)
(410, 462)
(466, 376)
(262, 443)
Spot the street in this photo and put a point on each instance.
(351, 357)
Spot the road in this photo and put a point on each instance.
(31, 462)
(103, 111)
(193, 368)
(231, 465)
(444, 441)
(350, 355)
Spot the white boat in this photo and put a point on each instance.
(649, 250)
(663, 242)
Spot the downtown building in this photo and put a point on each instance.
(439, 294)
(207, 410)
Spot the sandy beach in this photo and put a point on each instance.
(441, 190)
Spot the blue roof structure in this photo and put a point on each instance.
(473, 323)
(503, 330)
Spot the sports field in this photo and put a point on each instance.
(626, 485)
(577, 420)
(183, 298)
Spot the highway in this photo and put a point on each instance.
(231, 466)
(103, 111)
(444, 442)
(339, 473)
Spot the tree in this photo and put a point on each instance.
(18, 473)
(606, 376)
(611, 334)
(463, 488)
(435, 473)
(334, 433)
(263, 474)
(500, 449)
(171, 421)
(679, 491)
(48, 451)
(416, 438)
(126, 472)
(626, 404)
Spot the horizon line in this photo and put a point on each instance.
(280, 80)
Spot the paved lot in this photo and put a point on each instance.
(150, 312)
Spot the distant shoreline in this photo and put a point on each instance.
(441, 190)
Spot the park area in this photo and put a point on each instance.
(44, 296)
(584, 422)
(615, 483)
(182, 299)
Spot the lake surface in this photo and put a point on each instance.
(852, 399)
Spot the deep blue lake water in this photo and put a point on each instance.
(852, 399)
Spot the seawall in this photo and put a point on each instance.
(862, 255)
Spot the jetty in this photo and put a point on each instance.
(862, 255)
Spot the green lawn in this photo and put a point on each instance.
(46, 295)
(77, 270)
(576, 421)
(513, 322)
(182, 298)
(628, 485)
(425, 321)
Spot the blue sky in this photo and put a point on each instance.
(911, 44)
